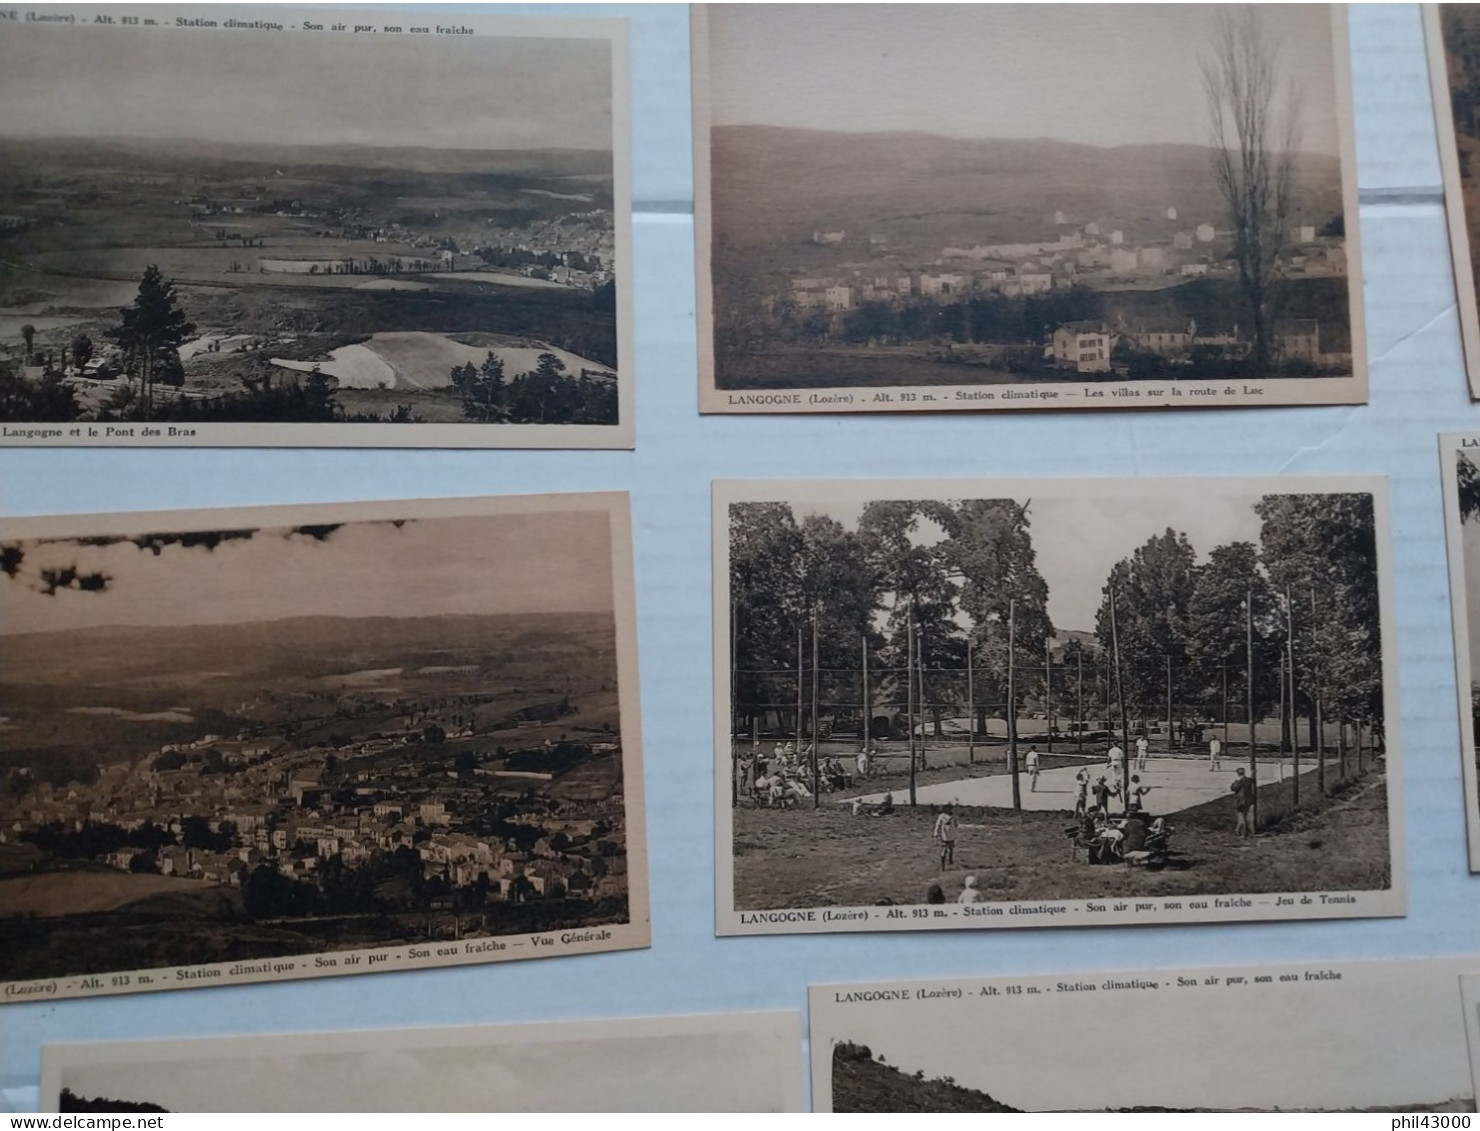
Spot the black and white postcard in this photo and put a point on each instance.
(1007, 206)
(1297, 1037)
(304, 227)
(1452, 33)
(717, 1062)
(242, 745)
(1460, 457)
(1054, 702)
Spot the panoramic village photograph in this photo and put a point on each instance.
(1108, 688)
(1008, 194)
(305, 226)
(1342, 1037)
(695, 1062)
(270, 737)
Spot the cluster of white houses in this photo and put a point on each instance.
(1096, 254)
(280, 807)
(1086, 347)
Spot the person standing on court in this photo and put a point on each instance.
(945, 835)
(1032, 769)
(1141, 746)
(1215, 754)
(1243, 802)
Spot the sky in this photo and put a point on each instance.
(689, 1072)
(1078, 539)
(1390, 1033)
(526, 563)
(1112, 74)
(306, 88)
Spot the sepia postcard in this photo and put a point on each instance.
(261, 744)
(1023, 206)
(1297, 1037)
(948, 704)
(1453, 35)
(1459, 454)
(1470, 993)
(716, 1062)
(274, 226)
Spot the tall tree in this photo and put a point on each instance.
(150, 333)
(766, 599)
(1469, 486)
(1217, 629)
(910, 563)
(990, 548)
(1322, 548)
(1253, 125)
(1153, 593)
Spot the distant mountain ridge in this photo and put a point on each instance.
(767, 177)
(298, 160)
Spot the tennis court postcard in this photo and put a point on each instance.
(716, 1062)
(1295, 1037)
(1021, 703)
(292, 742)
(945, 207)
(272, 226)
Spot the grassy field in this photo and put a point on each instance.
(85, 892)
(827, 857)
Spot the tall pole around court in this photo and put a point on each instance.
(1079, 704)
(1125, 782)
(909, 682)
(800, 677)
(1225, 705)
(1012, 750)
(1048, 687)
(920, 694)
(1169, 704)
(865, 734)
(816, 724)
(1290, 697)
(1317, 714)
(970, 705)
(734, 709)
(1253, 743)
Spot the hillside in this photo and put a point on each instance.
(772, 184)
(862, 1084)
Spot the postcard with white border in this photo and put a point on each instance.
(1293, 1037)
(294, 227)
(1461, 479)
(291, 742)
(976, 207)
(1452, 32)
(698, 1062)
(965, 703)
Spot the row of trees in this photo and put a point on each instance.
(932, 587)
(545, 395)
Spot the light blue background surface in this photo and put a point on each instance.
(1418, 390)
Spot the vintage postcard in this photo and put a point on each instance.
(1453, 35)
(1008, 206)
(261, 744)
(1459, 454)
(294, 227)
(717, 1062)
(1054, 702)
(1470, 993)
(1296, 1037)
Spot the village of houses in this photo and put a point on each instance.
(1096, 255)
(269, 803)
